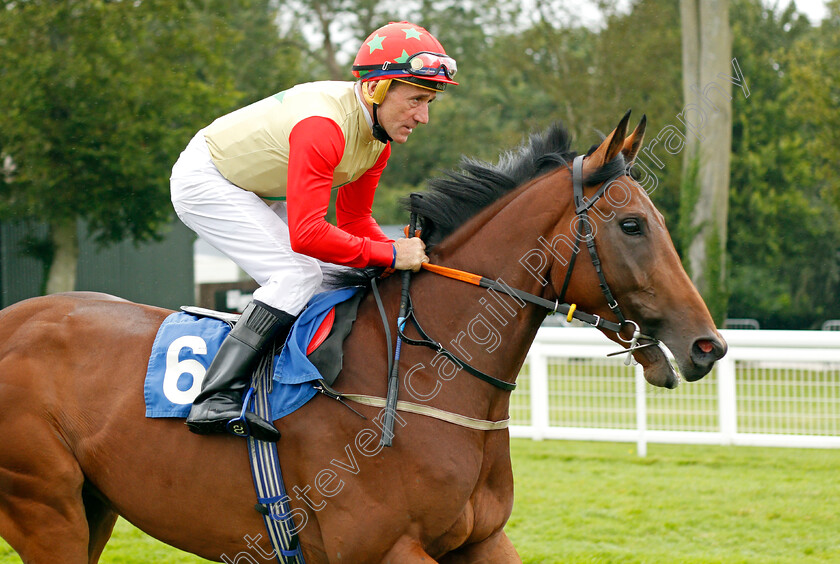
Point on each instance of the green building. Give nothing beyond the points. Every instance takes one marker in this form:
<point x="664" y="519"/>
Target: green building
<point x="157" y="273"/>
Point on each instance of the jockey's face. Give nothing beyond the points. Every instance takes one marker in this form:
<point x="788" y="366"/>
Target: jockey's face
<point x="405" y="107"/>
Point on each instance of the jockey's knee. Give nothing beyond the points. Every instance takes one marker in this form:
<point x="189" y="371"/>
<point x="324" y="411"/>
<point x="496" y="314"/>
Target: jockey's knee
<point x="291" y="293"/>
<point x="311" y="275"/>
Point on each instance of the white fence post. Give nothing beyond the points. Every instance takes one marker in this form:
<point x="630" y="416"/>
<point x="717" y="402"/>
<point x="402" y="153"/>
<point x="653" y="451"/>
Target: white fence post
<point x="727" y="400"/>
<point x="539" y="392"/>
<point x="641" y="411"/>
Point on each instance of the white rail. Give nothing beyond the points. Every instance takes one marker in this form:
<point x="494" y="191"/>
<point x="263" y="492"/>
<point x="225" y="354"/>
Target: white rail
<point x="773" y="388"/>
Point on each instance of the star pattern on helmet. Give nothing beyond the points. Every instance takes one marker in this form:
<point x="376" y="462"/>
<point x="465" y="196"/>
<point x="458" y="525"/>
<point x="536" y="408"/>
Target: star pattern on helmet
<point x="376" y="43"/>
<point x="411" y="33"/>
<point x="402" y="58"/>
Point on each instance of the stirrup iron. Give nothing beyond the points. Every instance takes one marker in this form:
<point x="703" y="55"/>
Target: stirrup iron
<point x="239" y="425"/>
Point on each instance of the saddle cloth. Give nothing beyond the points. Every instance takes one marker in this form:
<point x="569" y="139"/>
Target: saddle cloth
<point x="185" y="345"/>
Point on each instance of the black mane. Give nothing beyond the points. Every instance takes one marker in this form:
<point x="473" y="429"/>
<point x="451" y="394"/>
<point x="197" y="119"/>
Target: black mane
<point x="454" y="198"/>
<point x="459" y="195"/>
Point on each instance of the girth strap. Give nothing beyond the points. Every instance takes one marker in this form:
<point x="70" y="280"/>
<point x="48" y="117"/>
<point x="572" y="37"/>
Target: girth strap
<point x="273" y="501"/>
<point x="429" y="411"/>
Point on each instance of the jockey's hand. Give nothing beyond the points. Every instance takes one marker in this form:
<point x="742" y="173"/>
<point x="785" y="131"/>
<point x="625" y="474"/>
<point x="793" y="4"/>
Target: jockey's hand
<point x="410" y="254"/>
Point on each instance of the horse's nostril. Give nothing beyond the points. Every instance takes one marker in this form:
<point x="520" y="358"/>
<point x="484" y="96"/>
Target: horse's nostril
<point x="707" y="350"/>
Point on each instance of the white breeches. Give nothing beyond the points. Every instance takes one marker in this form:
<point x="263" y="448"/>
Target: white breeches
<point x="250" y="231"/>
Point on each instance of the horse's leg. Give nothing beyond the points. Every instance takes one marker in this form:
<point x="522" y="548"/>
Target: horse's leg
<point x="101" y="520"/>
<point x="42" y="515"/>
<point x="497" y="549"/>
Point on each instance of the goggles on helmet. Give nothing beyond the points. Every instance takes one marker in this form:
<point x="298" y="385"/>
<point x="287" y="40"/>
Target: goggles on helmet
<point x="422" y="64"/>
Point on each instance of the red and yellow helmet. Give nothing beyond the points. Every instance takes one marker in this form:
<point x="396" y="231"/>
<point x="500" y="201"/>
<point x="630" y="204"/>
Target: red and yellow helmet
<point x="405" y="52"/>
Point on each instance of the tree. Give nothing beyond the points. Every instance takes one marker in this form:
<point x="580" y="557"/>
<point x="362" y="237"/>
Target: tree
<point x="784" y="234"/>
<point x="813" y="66"/>
<point x="99" y="99"/>
<point x="518" y="79"/>
<point x="261" y="59"/>
<point x="707" y="54"/>
<point x="328" y="23"/>
<point x="641" y="70"/>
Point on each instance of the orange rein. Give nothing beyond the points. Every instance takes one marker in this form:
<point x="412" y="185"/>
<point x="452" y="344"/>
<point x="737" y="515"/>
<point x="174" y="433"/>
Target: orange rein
<point x="468" y="277"/>
<point x="569" y="310"/>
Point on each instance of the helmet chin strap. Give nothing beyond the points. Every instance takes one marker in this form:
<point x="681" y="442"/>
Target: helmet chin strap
<point x="378" y="131"/>
<point x="374" y="100"/>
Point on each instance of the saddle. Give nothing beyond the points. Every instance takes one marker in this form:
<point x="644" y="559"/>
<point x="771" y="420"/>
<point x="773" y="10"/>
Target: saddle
<point x="302" y="364"/>
<point x="324" y="350"/>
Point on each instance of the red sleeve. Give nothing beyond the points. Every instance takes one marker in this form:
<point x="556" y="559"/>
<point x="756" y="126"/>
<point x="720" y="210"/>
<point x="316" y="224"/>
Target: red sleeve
<point x="316" y="146"/>
<point x="355" y="202"/>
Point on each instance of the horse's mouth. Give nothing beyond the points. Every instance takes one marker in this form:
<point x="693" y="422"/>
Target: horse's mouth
<point x="659" y="371"/>
<point x="657" y="368"/>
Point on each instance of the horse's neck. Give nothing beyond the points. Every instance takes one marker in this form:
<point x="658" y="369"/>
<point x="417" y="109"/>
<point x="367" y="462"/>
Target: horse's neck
<point x="493" y="332"/>
<point x="496" y="243"/>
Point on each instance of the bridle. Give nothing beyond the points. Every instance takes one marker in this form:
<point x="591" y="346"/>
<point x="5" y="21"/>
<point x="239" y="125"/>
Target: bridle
<point x="582" y="206"/>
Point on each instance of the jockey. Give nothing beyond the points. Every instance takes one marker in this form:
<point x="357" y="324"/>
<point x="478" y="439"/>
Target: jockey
<point x="256" y="185"/>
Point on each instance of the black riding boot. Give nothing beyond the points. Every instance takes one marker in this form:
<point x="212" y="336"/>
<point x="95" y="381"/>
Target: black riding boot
<point x="229" y="375"/>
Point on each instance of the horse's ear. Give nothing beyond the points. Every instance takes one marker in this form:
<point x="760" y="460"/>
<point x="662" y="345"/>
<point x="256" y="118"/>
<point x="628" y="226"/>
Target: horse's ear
<point x="634" y="141"/>
<point x="609" y="147"/>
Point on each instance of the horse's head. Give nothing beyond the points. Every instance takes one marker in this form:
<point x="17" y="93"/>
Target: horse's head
<point x="641" y="268"/>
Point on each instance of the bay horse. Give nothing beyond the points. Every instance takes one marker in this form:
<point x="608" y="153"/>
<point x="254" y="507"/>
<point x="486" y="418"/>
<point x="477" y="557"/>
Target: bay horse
<point x="77" y="450"/>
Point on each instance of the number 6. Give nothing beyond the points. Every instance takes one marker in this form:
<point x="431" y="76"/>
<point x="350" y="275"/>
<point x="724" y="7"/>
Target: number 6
<point x="175" y="367"/>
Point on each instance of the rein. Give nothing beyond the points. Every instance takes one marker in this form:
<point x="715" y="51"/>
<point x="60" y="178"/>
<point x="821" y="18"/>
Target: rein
<point x="569" y="310"/>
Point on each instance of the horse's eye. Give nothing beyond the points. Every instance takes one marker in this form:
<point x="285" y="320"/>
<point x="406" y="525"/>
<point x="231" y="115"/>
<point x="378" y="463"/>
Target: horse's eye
<point x="631" y="226"/>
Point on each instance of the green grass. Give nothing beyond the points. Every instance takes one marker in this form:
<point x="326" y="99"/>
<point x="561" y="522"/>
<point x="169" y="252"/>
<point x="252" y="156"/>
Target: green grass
<point x="580" y="502"/>
<point x="587" y="503"/>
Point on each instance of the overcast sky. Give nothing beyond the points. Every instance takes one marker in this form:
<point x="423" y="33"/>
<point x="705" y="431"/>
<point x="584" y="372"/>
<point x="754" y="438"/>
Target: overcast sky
<point x="814" y="9"/>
